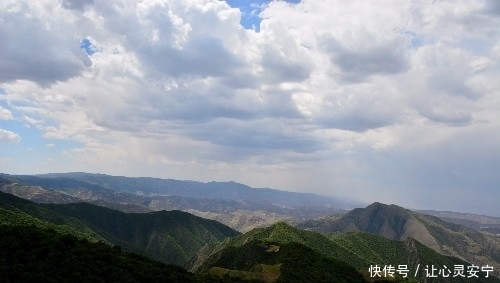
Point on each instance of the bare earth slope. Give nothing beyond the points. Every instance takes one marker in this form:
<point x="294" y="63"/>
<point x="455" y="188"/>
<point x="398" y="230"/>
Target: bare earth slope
<point x="397" y="223"/>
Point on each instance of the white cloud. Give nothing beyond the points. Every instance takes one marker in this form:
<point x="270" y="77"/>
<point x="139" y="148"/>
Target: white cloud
<point x="348" y="86"/>
<point x="5" y="114"/>
<point x="47" y="50"/>
<point x="8" y="136"/>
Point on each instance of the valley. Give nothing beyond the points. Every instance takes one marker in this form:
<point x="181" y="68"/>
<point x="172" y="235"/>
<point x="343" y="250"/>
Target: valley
<point x="215" y="235"/>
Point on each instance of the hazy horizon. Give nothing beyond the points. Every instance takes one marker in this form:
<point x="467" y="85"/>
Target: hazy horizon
<point x="351" y="203"/>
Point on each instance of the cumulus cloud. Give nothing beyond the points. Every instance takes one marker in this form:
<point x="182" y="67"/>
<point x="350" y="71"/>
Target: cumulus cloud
<point x="349" y="86"/>
<point x="8" y="136"/>
<point x="76" y="4"/>
<point x="5" y="114"/>
<point x="38" y="45"/>
<point x="357" y="65"/>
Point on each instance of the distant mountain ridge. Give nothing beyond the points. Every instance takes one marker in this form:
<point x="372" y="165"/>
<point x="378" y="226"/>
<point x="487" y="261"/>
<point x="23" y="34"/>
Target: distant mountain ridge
<point x="177" y="236"/>
<point x="396" y="223"/>
<point x="216" y="190"/>
<point x="237" y="205"/>
<point x="484" y="223"/>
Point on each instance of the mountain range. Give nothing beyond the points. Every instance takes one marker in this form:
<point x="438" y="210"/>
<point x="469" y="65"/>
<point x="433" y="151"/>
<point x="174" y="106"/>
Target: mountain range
<point x="262" y="246"/>
<point x="236" y="205"/>
<point x="484" y="223"/>
<point x="170" y="236"/>
<point x="337" y="246"/>
<point x="397" y="223"/>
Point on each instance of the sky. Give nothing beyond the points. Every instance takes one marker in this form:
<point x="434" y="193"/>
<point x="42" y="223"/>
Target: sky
<point x="390" y="101"/>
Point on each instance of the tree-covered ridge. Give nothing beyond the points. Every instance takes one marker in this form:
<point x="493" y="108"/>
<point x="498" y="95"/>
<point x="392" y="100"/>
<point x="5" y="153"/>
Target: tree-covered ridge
<point x="282" y="233"/>
<point x="360" y="250"/>
<point x="397" y="223"/>
<point x="31" y="254"/>
<point x="373" y="249"/>
<point x="172" y="236"/>
<point x="176" y="236"/>
<point x="19" y="212"/>
<point x="287" y="263"/>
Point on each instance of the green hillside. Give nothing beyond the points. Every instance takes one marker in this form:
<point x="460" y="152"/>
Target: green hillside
<point x="360" y="250"/>
<point x="31" y="254"/>
<point x="373" y="249"/>
<point x="288" y="263"/>
<point x="279" y="233"/>
<point x="172" y="236"/>
<point x="392" y="236"/>
<point x="397" y="223"/>
<point x="19" y="212"/>
<point x="457" y="240"/>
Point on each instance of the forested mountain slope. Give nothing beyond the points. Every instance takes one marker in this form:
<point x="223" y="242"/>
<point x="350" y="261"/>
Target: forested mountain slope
<point x="170" y="236"/>
<point x="359" y="250"/>
<point x="397" y="223"/>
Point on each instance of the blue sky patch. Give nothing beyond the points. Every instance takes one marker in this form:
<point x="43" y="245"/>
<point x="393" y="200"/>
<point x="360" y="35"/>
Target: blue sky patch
<point x="86" y="45"/>
<point x="250" y="11"/>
